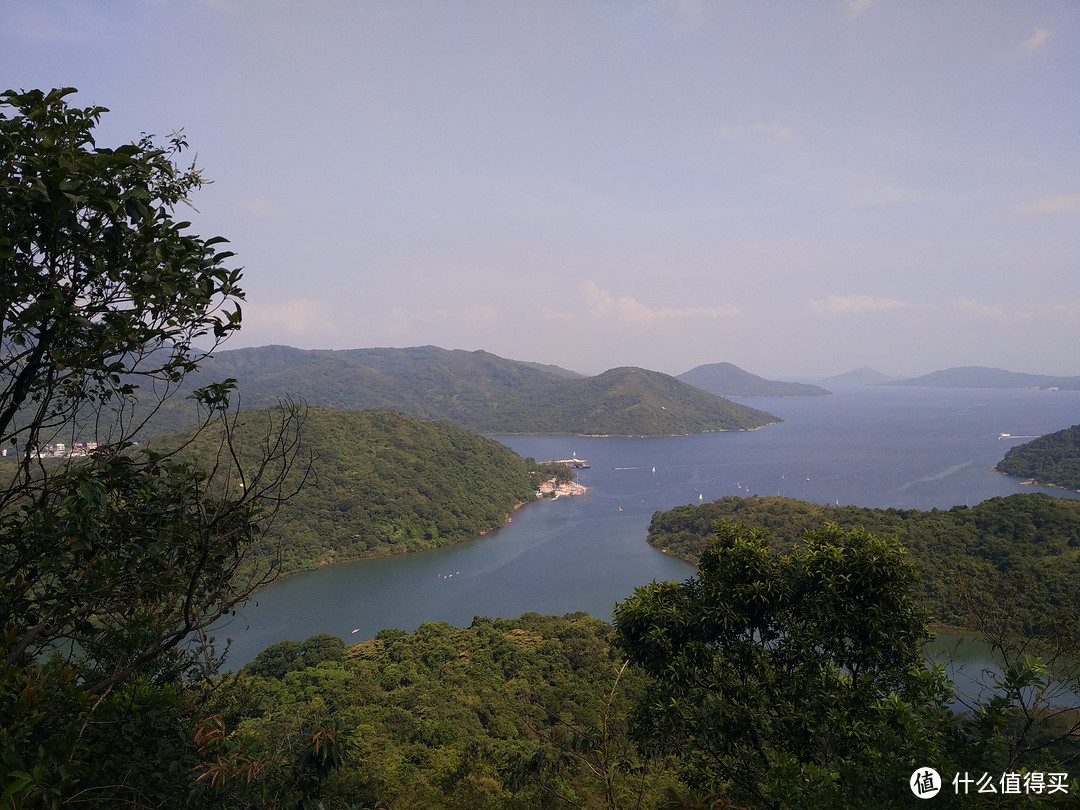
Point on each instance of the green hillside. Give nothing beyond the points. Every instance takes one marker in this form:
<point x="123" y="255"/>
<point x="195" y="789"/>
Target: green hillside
<point x="1052" y="460"/>
<point x="385" y="483"/>
<point x="1026" y="541"/>
<point x="448" y="718"/>
<point x="728" y="380"/>
<point x="484" y="392"/>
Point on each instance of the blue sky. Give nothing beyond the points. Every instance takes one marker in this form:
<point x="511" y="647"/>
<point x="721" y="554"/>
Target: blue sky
<point x="796" y="188"/>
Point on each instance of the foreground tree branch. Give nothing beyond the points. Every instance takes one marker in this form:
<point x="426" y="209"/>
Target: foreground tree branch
<point x="116" y="560"/>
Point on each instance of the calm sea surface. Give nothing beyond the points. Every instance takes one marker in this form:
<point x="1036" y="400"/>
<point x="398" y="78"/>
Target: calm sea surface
<point x="882" y="447"/>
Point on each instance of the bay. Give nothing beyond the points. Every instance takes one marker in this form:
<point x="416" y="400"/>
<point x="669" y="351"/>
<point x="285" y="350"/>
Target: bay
<point x="882" y="447"/>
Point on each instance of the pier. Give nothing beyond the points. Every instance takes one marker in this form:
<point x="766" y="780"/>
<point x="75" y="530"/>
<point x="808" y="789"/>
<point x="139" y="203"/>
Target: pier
<point x="575" y="463"/>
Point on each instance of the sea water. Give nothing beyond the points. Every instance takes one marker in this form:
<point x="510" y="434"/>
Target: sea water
<point x="870" y="446"/>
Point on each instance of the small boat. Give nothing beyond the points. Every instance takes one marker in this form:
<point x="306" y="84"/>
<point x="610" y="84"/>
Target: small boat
<point x="357" y="630"/>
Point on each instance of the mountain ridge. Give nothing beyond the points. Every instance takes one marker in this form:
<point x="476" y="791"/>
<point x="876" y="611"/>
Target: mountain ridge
<point x="479" y="390"/>
<point x="728" y="380"/>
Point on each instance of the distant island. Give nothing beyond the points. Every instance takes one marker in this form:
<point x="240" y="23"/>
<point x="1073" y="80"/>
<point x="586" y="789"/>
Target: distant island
<point x="859" y="376"/>
<point x="1052" y="460"/>
<point x="479" y="390"/>
<point x="983" y="377"/>
<point x="728" y="380"/>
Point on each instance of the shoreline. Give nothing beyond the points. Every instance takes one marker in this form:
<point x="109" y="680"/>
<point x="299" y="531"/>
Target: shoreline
<point x="564" y="490"/>
<point x="1034" y="482"/>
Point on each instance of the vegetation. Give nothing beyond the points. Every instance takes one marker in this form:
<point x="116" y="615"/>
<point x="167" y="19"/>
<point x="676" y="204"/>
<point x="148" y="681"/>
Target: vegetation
<point x="529" y="713"/>
<point x="728" y="380"/>
<point x="1005" y="570"/>
<point x="481" y="391"/>
<point x="786" y="674"/>
<point x="1052" y="460"/>
<point x="1027" y="542"/>
<point x="790" y="680"/>
<point x="114" y="563"/>
<point x="383" y="483"/>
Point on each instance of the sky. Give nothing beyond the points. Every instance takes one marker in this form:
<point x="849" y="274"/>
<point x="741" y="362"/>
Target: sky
<point x="798" y="188"/>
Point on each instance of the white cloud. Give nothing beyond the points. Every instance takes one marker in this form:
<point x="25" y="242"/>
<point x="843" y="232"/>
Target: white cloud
<point x="1051" y="204"/>
<point x="398" y="322"/>
<point x="1037" y="40"/>
<point x="853" y="304"/>
<point x="545" y="313"/>
<point x="981" y="310"/>
<point x="298" y="317"/>
<point x="600" y="303"/>
<point x="856" y="8"/>
<point x="688" y="15"/>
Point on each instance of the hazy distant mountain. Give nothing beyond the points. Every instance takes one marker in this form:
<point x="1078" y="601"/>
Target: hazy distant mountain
<point x="859" y="376"/>
<point x="728" y="380"/>
<point x="982" y="377"/>
<point x="479" y="390"/>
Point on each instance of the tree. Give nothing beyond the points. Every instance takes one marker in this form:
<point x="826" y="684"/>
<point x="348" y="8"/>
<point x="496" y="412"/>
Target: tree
<point x="115" y="561"/>
<point x="793" y="679"/>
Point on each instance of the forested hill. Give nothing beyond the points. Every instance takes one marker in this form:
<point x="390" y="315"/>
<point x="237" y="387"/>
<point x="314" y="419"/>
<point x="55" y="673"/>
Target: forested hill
<point x="982" y="377"/>
<point x="484" y="392"/>
<point x="1052" y="460"/>
<point x="386" y="483"/>
<point x="728" y="380"/>
<point x="962" y="552"/>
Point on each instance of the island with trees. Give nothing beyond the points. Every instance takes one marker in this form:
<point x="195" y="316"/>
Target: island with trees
<point x="1052" y="460"/>
<point x="983" y="377"/>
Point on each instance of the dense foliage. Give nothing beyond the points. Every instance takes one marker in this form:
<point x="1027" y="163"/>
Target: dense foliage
<point x="528" y="713"/>
<point x="384" y="483"/>
<point x="790" y="680"/>
<point x="1027" y="543"/>
<point x="1005" y="570"/>
<point x="1052" y="460"/>
<point x="481" y="391"/>
<point x="113" y="562"/>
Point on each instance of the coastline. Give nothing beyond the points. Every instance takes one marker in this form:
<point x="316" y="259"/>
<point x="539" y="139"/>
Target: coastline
<point x="565" y="490"/>
<point x="1035" y="482"/>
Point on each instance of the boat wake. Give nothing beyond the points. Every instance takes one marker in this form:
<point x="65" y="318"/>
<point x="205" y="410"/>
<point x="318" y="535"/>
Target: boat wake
<point x="937" y="476"/>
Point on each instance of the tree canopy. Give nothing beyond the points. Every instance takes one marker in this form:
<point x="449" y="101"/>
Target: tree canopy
<point x="114" y="560"/>
<point x="789" y="679"/>
<point x="1052" y="460"/>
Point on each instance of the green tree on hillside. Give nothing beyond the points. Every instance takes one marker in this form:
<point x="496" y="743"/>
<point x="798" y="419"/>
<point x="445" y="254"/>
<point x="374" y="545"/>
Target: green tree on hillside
<point x="793" y="679"/>
<point x="114" y="562"/>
